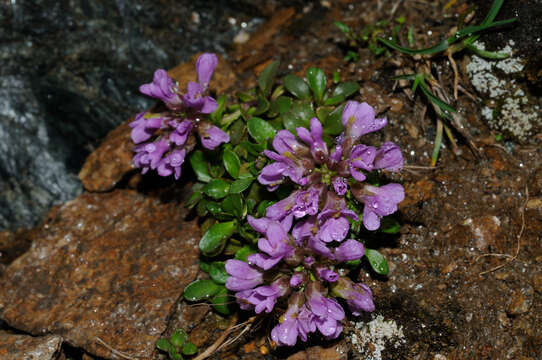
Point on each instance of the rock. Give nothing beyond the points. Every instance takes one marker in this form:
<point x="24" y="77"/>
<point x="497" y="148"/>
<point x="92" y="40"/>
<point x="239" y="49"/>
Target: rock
<point x="520" y="301"/>
<point x="103" y="266"/>
<point x="106" y="166"/>
<point x="112" y="160"/>
<point x="485" y="230"/>
<point x="60" y="94"/>
<point x="24" y="347"/>
<point x="337" y="351"/>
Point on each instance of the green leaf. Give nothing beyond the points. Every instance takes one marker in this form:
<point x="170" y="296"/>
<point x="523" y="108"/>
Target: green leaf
<point x="231" y="163"/>
<point x="334" y="100"/>
<point x="237" y="131"/>
<point x="201" y="208"/>
<point x="218" y="272"/>
<point x="243" y="253"/>
<point x="199" y="164"/>
<point x="260" y="129"/>
<point x="220" y="301"/>
<point x="342" y="26"/>
<point x="163" y="344"/>
<point x="333" y="124"/>
<point x="345" y="89"/>
<point x="377" y="261"/>
<point x="240" y="185"/>
<point x="389" y="225"/>
<point x="178" y="338"/>
<point x="174" y="355"/>
<point x="263" y="206"/>
<point x="267" y="77"/>
<point x="200" y="289"/>
<point x="299" y="116"/>
<point x="230" y="118"/>
<point x="216" y="188"/>
<point x="263" y="105"/>
<point x="297" y="86"/>
<point x="352" y="264"/>
<point x="233" y="204"/>
<point x="215" y="238"/>
<point x="216" y="116"/>
<point x="205" y="266"/>
<point x="317" y="83"/>
<point x="194" y="199"/>
<point x="189" y="348"/>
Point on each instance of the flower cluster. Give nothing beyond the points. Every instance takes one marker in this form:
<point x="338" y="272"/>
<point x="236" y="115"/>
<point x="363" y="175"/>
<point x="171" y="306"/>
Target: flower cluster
<point x="309" y="161"/>
<point x="305" y="242"/>
<point x="163" y="139"/>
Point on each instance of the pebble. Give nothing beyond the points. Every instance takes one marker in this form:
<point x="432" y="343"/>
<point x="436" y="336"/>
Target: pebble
<point x="520" y="302"/>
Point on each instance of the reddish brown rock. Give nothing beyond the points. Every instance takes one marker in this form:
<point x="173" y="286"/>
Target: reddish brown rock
<point x="112" y="160"/>
<point x="337" y="351"/>
<point x="106" y="166"/>
<point x="24" y="347"/>
<point x="108" y="266"/>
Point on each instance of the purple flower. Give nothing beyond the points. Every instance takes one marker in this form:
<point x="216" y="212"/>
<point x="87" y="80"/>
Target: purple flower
<point x="262" y="298"/>
<point x="379" y="202"/>
<point x="314" y="140"/>
<point x="171" y="164"/>
<point x="290" y="161"/>
<point x="358" y="296"/>
<point x="339" y="185"/>
<point x="333" y="219"/>
<point x="205" y="66"/>
<point x="181" y="132"/>
<point x="326" y="274"/>
<point x="242" y="275"/>
<point x="359" y="119"/>
<point x="144" y="126"/>
<point x="349" y="250"/>
<point x="194" y="99"/>
<point x="361" y="157"/>
<point x="274" y="245"/>
<point x="306" y="202"/>
<point x="328" y="313"/>
<point x="148" y="155"/>
<point x="211" y="136"/>
<point x="297" y="279"/>
<point x="296" y="321"/>
<point x="164" y="88"/>
<point x="389" y="157"/>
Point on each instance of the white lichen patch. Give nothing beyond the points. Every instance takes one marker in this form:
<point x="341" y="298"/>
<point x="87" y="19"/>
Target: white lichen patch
<point x="370" y="339"/>
<point x="510" y="110"/>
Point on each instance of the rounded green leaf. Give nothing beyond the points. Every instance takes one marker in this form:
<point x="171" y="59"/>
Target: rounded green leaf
<point x="260" y="129"/>
<point x="297" y="86"/>
<point x="389" y="225"/>
<point x="243" y="253"/>
<point x="345" y="89"/>
<point x="231" y="163"/>
<point x="201" y="289"/>
<point x="317" y="82"/>
<point x="215" y="238"/>
<point x="233" y="204"/>
<point x="218" y="272"/>
<point x="267" y="77"/>
<point x="189" y="348"/>
<point x="178" y="338"/>
<point x="377" y="261"/>
<point x="333" y="124"/>
<point x="220" y="301"/>
<point x="163" y="344"/>
<point x="240" y="185"/>
<point x="199" y="164"/>
<point x="216" y="188"/>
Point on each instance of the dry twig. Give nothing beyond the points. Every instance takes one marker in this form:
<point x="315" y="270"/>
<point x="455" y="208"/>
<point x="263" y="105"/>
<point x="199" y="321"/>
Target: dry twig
<point x="115" y="351"/>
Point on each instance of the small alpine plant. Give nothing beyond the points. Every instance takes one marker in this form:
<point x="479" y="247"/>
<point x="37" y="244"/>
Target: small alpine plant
<point x="165" y="138"/>
<point x="286" y="190"/>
